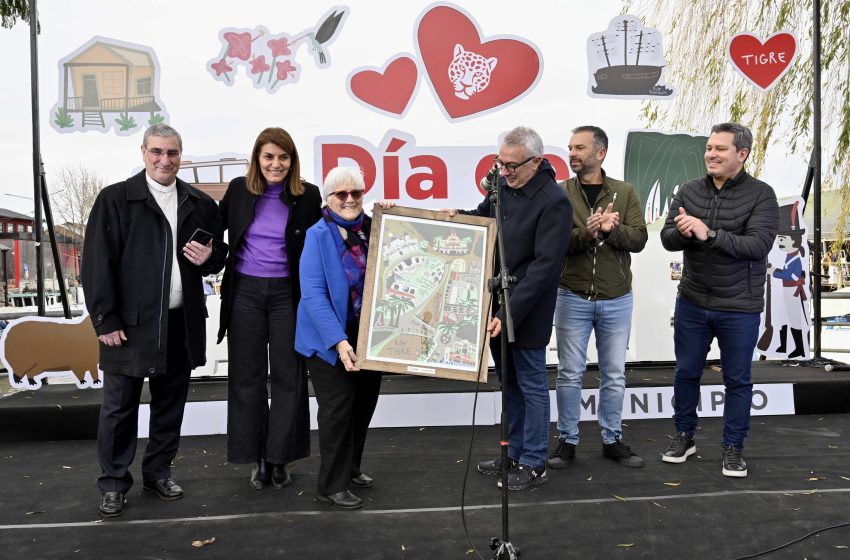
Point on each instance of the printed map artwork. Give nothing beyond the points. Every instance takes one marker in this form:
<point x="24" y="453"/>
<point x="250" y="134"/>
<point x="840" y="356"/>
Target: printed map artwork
<point x="429" y="297"/>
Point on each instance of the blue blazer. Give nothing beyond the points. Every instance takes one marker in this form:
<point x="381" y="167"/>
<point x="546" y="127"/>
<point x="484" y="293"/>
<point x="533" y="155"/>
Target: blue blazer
<point x="323" y="309"/>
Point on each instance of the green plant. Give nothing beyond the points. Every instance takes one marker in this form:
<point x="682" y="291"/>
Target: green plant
<point x="63" y="119"/>
<point x="125" y="121"/>
<point x="156" y="118"/>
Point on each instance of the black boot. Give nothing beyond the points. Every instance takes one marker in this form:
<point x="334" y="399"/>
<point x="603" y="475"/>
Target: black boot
<point x="783" y="337"/>
<point x="799" y="349"/>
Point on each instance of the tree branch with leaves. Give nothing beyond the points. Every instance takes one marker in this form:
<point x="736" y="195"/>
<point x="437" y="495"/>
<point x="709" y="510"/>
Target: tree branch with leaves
<point x="697" y="35"/>
<point x="11" y="10"/>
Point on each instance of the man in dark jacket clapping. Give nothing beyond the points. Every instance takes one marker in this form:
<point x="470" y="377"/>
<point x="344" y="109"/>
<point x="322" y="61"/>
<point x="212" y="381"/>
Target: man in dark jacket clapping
<point x="595" y="294"/>
<point x="725" y="223"/>
<point x="142" y="278"/>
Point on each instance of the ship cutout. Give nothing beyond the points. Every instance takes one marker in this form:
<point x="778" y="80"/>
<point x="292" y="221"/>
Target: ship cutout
<point x="639" y="49"/>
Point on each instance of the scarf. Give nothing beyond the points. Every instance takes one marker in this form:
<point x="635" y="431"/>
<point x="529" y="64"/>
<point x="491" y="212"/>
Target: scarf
<point x="352" y="238"/>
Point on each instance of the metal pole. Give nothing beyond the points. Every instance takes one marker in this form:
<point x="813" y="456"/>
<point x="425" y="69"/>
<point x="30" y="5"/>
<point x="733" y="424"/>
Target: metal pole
<point x="5" y="280"/>
<point x="36" y="159"/>
<point x="54" y="246"/>
<point x="816" y="161"/>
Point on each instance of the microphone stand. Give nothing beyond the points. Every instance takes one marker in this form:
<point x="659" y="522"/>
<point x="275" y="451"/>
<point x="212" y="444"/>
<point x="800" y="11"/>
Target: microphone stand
<point x="504" y="549"/>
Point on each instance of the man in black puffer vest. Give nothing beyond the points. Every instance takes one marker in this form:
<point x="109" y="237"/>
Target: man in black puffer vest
<point x="725" y="224"/>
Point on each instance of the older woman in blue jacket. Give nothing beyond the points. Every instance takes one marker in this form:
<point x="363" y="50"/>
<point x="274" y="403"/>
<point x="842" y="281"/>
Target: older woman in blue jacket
<point x="333" y="269"/>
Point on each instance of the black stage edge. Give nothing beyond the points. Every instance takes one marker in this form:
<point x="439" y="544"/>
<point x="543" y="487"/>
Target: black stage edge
<point x="799" y="481"/>
<point x="61" y="411"/>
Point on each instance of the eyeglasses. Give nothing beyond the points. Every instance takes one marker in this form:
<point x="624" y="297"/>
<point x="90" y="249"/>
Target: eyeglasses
<point x="342" y="196"/>
<point x="510" y="166"/>
<point x="158" y="153"/>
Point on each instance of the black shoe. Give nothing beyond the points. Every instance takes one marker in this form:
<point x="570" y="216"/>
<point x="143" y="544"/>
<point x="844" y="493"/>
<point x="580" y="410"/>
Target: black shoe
<point x="280" y="476"/>
<point x="621" y="452"/>
<point x="524" y="477"/>
<point x="563" y="455"/>
<point x="362" y="481"/>
<point x="494" y="467"/>
<point x="733" y="462"/>
<point x="680" y="449"/>
<point x="343" y="500"/>
<point x="165" y="488"/>
<point x="112" y="504"/>
<point x="259" y="475"/>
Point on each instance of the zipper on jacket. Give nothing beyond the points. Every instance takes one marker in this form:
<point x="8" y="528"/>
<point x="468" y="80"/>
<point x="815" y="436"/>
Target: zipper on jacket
<point x="162" y="288"/>
<point x="712" y="208"/>
<point x="593" y="241"/>
<point x="165" y="226"/>
<point x="750" y="278"/>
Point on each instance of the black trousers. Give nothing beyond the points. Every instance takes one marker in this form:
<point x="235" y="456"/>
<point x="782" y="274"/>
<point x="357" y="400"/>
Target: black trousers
<point x="118" y="425"/>
<point x="346" y="403"/>
<point x="261" y="345"/>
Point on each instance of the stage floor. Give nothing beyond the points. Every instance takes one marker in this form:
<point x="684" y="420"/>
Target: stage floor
<point x="799" y="482"/>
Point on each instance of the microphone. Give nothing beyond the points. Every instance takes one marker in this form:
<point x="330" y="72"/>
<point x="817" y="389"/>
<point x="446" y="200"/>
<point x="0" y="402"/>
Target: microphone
<point x="489" y="182"/>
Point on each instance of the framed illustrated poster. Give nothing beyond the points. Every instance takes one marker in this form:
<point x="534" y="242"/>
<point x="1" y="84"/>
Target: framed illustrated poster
<point x="425" y="300"/>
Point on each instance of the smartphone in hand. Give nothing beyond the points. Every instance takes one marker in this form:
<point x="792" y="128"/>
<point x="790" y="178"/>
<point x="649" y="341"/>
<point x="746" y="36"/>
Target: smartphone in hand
<point x="202" y="236"/>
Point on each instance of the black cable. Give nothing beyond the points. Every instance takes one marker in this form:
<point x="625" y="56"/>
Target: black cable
<point x="795" y="541"/>
<point x="484" y="356"/>
<point x="466" y="472"/>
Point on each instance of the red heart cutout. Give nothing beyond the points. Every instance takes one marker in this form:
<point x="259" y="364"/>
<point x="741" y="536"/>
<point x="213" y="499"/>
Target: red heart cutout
<point x="389" y="90"/>
<point x="763" y="63"/>
<point x="515" y="70"/>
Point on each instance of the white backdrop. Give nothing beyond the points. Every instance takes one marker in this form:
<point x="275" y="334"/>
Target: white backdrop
<point x="216" y="119"/>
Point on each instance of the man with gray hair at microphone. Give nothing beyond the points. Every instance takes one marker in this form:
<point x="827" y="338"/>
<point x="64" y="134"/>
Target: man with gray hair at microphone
<point x="536" y="224"/>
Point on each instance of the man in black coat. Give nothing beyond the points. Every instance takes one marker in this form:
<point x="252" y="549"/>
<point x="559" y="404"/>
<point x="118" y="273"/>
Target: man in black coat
<point x="725" y="223"/>
<point x="142" y="278"/>
<point x="536" y="225"/>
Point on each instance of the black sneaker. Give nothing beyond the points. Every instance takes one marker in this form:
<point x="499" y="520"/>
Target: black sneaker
<point x="680" y="449"/>
<point x="622" y="453"/>
<point x="733" y="462"/>
<point x="494" y="467"/>
<point x="524" y="477"/>
<point x="563" y="455"/>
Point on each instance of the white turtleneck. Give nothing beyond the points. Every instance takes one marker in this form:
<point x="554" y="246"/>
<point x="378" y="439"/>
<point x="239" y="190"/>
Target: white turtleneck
<point x="166" y="197"/>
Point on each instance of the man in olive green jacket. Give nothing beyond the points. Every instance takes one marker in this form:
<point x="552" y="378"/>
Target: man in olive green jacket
<point x="595" y="293"/>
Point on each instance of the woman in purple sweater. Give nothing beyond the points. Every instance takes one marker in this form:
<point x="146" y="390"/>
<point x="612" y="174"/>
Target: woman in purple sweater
<point x="267" y="215"/>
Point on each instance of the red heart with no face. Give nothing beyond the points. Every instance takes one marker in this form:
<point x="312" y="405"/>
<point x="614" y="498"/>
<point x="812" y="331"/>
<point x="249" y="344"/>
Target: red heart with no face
<point x="506" y="69"/>
<point x="763" y="63"/>
<point x="389" y="90"/>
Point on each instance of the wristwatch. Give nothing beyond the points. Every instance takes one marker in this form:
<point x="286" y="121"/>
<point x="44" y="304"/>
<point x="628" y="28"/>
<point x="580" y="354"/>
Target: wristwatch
<point x="711" y="235"/>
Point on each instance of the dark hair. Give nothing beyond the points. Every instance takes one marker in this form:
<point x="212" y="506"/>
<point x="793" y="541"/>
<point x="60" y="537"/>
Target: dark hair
<point x="743" y="137"/>
<point x="600" y="139"/>
<point x="797" y="242"/>
<point x="281" y="139"/>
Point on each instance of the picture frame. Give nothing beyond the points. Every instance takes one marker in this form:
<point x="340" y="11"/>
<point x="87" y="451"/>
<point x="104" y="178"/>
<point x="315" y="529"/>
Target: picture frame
<point x="426" y="301"/>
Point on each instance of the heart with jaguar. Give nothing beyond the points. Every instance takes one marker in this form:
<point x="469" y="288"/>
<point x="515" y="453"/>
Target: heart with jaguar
<point x="469" y="74"/>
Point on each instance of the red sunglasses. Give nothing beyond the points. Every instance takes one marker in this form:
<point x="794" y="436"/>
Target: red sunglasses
<point x="342" y="196"/>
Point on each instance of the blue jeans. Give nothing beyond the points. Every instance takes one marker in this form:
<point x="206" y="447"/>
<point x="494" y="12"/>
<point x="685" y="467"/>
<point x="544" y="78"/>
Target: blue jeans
<point x="575" y="317"/>
<point x="693" y="330"/>
<point x="527" y="391"/>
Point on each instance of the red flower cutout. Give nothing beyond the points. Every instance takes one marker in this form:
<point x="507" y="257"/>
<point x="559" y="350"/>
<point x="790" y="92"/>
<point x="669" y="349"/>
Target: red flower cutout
<point x="279" y="46"/>
<point x="221" y="67"/>
<point x="258" y="65"/>
<point x="284" y="68"/>
<point x="240" y="45"/>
